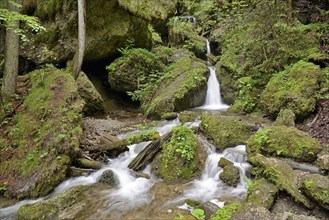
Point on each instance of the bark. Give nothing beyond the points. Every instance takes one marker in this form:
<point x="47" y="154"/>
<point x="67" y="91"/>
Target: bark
<point x="147" y="154"/>
<point x="11" y="57"/>
<point x="81" y="37"/>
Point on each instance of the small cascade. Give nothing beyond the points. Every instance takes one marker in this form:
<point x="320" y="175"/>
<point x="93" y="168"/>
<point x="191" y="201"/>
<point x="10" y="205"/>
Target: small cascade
<point x="209" y="187"/>
<point x="213" y="98"/>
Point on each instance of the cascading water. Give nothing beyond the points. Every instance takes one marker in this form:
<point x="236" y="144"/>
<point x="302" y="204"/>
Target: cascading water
<point x="213" y="98"/>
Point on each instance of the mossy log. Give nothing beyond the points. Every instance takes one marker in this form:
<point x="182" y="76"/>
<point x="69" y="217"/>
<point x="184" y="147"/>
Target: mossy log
<point x="148" y="153"/>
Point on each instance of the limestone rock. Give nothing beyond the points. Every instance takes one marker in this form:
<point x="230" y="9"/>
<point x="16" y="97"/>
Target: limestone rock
<point x="230" y="175"/>
<point x="285" y="142"/>
<point x="93" y="100"/>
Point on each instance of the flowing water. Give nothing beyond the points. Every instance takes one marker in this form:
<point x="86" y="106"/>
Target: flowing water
<point x="213" y="98"/>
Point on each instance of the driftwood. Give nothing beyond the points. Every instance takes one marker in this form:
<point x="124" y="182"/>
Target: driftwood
<point x="148" y="153"/>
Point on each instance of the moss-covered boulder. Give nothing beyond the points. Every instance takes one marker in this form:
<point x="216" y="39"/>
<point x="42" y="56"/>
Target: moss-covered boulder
<point x="225" y="131"/>
<point x="52" y="208"/>
<point x="262" y="193"/>
<point x="230" y="175"/>
<point x="109" y="177"/>
<point x="91" y="164"/>
<point x="294" y="88"/>
<point x="323" y="161"/>
<point x="227" y="211"/>
<point x="286" y="117"/>
<point x="188" y="116"/>
<point x="109" y="26"/>
<point x="182" y="86"/>
<point x="43" y="137"/>
<point x="133" y="69"/>
<point x="282" y="175"/>
<point x="284" y="142"/>
<point x="93" y="100"/>
<point x="316" y="187"/>
<point x="169" y="116"/>
<point x="223" y="162"/>
<point x="182" y="157"/>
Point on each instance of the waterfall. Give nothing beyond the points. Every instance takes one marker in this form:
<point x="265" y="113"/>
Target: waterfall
<point x="213" y="98"/>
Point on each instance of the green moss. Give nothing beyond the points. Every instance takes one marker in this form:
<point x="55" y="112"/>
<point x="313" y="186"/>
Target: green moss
<point x="285" y="142"/>
<point x="225" y="131"/>
<point x="89" y="164"/>
<point x="286" y="117"/>
<point x="187" y="116"/>
<point x="47" y="127"/>
<point x="316" y="187"/>
<point x="295" y="89"/>
<point x="262" y="193"/>
<point x="143" y="136"/>
<point x="226" y="212"/>
<point x="181" y="155"/>
<point x="223" y="162"/>
<point x="230" y="175"/>
<point x="49" y="209"/>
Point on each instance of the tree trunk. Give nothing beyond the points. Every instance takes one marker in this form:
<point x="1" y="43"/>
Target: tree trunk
<point x="81" y="37"/>
<point x="11" y="57"/>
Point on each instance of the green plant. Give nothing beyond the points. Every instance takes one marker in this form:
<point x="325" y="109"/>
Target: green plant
<point x="198" y="213"/>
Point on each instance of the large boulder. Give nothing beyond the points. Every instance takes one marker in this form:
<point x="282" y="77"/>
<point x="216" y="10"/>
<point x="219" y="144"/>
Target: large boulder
<point x="225" y="131"/>
<point x="183" y="157"/>
<point x="45" y="136"/>
<point x="316" y="187"/>
<point x="183" y="86"/>
<point x="55" y="207"/>
<point x="282" y="175"/>
<point x="87" y="91"/>
<point x="294" y="88"/>
<point x="284" y="142"/>
<point x="109" y="26"/>
<point x="230" y="175"/>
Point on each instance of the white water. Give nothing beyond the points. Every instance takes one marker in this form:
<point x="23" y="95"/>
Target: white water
<point x="213" y="98"/>
<point x="209" y="187"/>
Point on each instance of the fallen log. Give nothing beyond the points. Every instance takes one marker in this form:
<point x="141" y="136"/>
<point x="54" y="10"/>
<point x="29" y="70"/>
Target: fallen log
<point x="148" y="153"/>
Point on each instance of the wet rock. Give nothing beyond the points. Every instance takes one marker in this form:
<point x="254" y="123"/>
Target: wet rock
<point x="84" y="163"/>
<point x="225" y="131"/>
<point x="187" y="116"/>
<point x="209" y="208"/>
<point x="192" y="203"/>
<point x="169" y="116"/>
<point x="286" y="117"/>
<point x="282" y="175"/>
<point x="230" y="175"/>
<point x="285" y="142"/>
<point x="76" y="172"/>
<point x="295" y="88"/>
<point x="323" y="161"/>
<point x="316" y="187"/>
<point x="262" y="193"/>
<point x="93" y="100"/>
<point x="108" y="177"/>
<point x="142" y="175"/>
<point x="52" y="208"/>
<point x="223" y="162"/>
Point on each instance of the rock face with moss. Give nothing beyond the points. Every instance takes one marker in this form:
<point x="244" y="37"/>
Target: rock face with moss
<point x="295" y="88"/>
<point x="316" y="187"/>
<point x="262" y="193"/>
<point x="55" y="207"/>
<point x="225" y="131"/>
<point x="286" y="117"/>
<point x="182" y="156"/>
<point x="183" y="86"/>
<point x="230" y="175"/>
<point x="45" y="135"/>
<point x="87" y="91"/>
<point x="109" y="26"/>
<point x="285" y="142"/>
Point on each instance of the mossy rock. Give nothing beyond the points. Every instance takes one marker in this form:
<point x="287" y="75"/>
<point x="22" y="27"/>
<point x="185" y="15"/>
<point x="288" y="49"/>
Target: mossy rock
<point x="286" y="117"/>
<point x="228" y="87"/>
<point x="223" y="162"/>
<point x="183" y="157"/>
<point x="282" y="175"/>
<point x="93" y="100"/>
<point x="227" y="211"/>
<point x="316" y="187"/>
<point x="225" y="131"/>
<point x="51" y="208"/>
<point x="188" y="116"/>
<point x="109" y="177"/>
<point x="182" y="86"/>
<point x="109" y="28"/>
<point x="131" y="70"/>
<point x="230" y="175"/>
<point x="323" y="160"/>
<point x="45" y="135"/>
<point x="169" y="116"/>
<point x="294" y="88"/>
<point x="284" y="142"/>
<point x="262" y="193"/>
